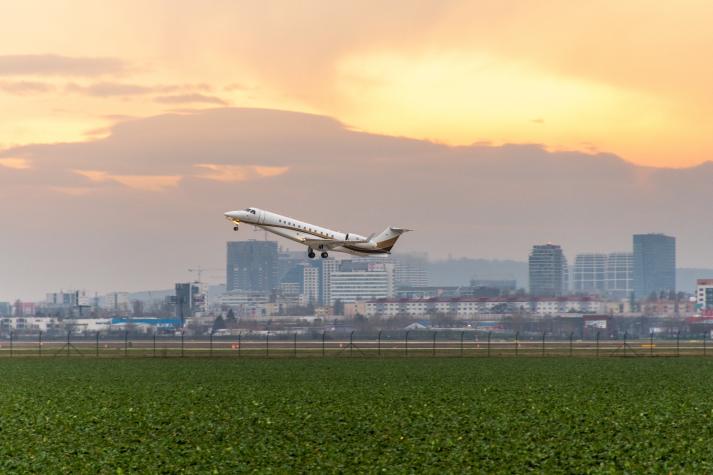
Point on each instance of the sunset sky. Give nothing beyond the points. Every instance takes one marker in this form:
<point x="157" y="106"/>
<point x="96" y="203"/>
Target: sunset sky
<point x="118" y="118"/>
<point x="628" y="77"/>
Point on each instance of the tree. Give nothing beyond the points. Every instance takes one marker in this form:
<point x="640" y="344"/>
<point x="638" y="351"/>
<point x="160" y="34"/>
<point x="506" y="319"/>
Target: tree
<point x="219" y="323"/>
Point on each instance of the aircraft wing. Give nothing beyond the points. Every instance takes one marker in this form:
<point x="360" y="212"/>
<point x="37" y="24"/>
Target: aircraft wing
<point x="329" y="243"/>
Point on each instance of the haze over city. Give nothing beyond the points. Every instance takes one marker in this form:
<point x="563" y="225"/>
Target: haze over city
<point x="127" y="129"/>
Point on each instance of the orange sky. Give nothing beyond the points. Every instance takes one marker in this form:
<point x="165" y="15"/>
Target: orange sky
<point x="621" y="77"/>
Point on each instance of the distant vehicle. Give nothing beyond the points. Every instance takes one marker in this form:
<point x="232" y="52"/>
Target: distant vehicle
<point x="317" y="238"/>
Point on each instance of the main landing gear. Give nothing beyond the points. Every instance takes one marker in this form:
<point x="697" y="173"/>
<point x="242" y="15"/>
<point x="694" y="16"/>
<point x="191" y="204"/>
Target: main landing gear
<point x="311" y="254"/>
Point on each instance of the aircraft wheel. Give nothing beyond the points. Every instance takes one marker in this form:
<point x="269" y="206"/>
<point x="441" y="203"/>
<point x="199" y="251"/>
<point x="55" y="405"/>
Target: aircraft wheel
<point x="324" y="255"/>
<point x="310" y="254"/>
<point x="235" y="228"/>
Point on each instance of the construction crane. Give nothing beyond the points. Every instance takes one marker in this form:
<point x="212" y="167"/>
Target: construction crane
<point x="199" y="271"/>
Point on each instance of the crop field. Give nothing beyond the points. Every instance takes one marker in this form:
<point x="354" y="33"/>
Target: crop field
<point x="568" y="415"/>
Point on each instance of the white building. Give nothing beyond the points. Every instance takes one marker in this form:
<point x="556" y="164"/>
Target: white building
<point x="704" y="294"/>
<point x="589" y="274"/>
<point x="33" y="324"/>
<point x="470" y="307"/>
<point x="374" y="282"/>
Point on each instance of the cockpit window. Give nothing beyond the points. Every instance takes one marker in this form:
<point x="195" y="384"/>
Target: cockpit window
<point x="252" y="211"/>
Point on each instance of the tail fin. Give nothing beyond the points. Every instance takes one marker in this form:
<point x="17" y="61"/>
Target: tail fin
<point x="387" y="238"/>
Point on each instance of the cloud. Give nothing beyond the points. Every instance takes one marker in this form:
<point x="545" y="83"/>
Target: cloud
<point x="15" y="163"/>
<point x="237" y="173"/>
<point x="57" y="65"/>
<point x="26" y="88"/>
<point x="190" y="99"/>
<point x="137" y="182"/>
<point x="73" y="190"/>
<point x="110" y="89"/>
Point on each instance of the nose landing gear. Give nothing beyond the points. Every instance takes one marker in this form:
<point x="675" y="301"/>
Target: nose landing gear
<point x="235" y="228"/>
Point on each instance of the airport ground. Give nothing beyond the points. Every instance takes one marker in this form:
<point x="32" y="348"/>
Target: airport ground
<point x="422" y="414"/>
<point x="392" y="345"/>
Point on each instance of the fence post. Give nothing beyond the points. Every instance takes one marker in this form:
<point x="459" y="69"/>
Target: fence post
<point x="462" y="334"/>
<point x="126" y="343"/>
<point x="517" y="343"/>
<point x="240" y="342"/>
<point x="406" y="342"/>
<point x="651" y="342"/>
<point x="543" y="343"/>
<point x="295" y="345"/>
<point x="351" y="343"/>
<point x="597" y="343"/>
<point x="678" y="343"/>
<point x="704" y="343"/>
<point x="154" y="343"/>
<point x="68" y="333"/>
<point x="324" y="349"/>
<point x="434" y="344"/>
<point x="571" y="338"/>
<point x="97" y="345"/>
<point x="11" y="338"/>
<point x="378" y="343"/>
<point x="211" y="343"/>
<point x="267" y="344"/>
<point x="182" y="333"/>
<point x="489" y="334"/>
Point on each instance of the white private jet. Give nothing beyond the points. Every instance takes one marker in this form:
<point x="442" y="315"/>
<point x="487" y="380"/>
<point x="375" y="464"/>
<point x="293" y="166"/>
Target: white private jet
<point x="316" y="237"/>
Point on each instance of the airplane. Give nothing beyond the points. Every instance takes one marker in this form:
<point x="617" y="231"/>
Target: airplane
<point x="317" y="238"/>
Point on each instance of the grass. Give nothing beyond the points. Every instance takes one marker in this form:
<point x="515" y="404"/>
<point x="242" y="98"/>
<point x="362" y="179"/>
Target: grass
<point x="367" y="415"/>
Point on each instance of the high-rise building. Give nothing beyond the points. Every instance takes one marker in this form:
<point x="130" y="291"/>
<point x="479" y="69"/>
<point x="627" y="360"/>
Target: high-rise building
<point x="326" y="268"/>
<point x="654" y="264"/>
<point x="604" y="274"/>
<point x="310" y="284"/>
<point x="252" y="265"/>
<point x="548" y="271"/>
<point x="620" y="275"/>
<point x="589" y="273"/>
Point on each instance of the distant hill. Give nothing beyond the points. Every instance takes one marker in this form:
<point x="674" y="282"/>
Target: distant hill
<point x="461" y="271"/>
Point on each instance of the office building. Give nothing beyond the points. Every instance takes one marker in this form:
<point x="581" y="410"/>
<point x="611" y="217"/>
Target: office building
<point x="654" y="264"/>
<point x="548" y="271"/>
<point x="589" y="273"/>
<point x="620" y="275"/>
<point x="604" y="274"/>
<point x="252" y="266"/>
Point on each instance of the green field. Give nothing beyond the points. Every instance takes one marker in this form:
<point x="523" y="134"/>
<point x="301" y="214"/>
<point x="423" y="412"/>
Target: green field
<point x="334" y="415"/>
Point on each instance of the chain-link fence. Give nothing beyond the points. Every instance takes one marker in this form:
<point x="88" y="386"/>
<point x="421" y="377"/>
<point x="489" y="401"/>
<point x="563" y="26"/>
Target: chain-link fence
<point x="382" y="344"/>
